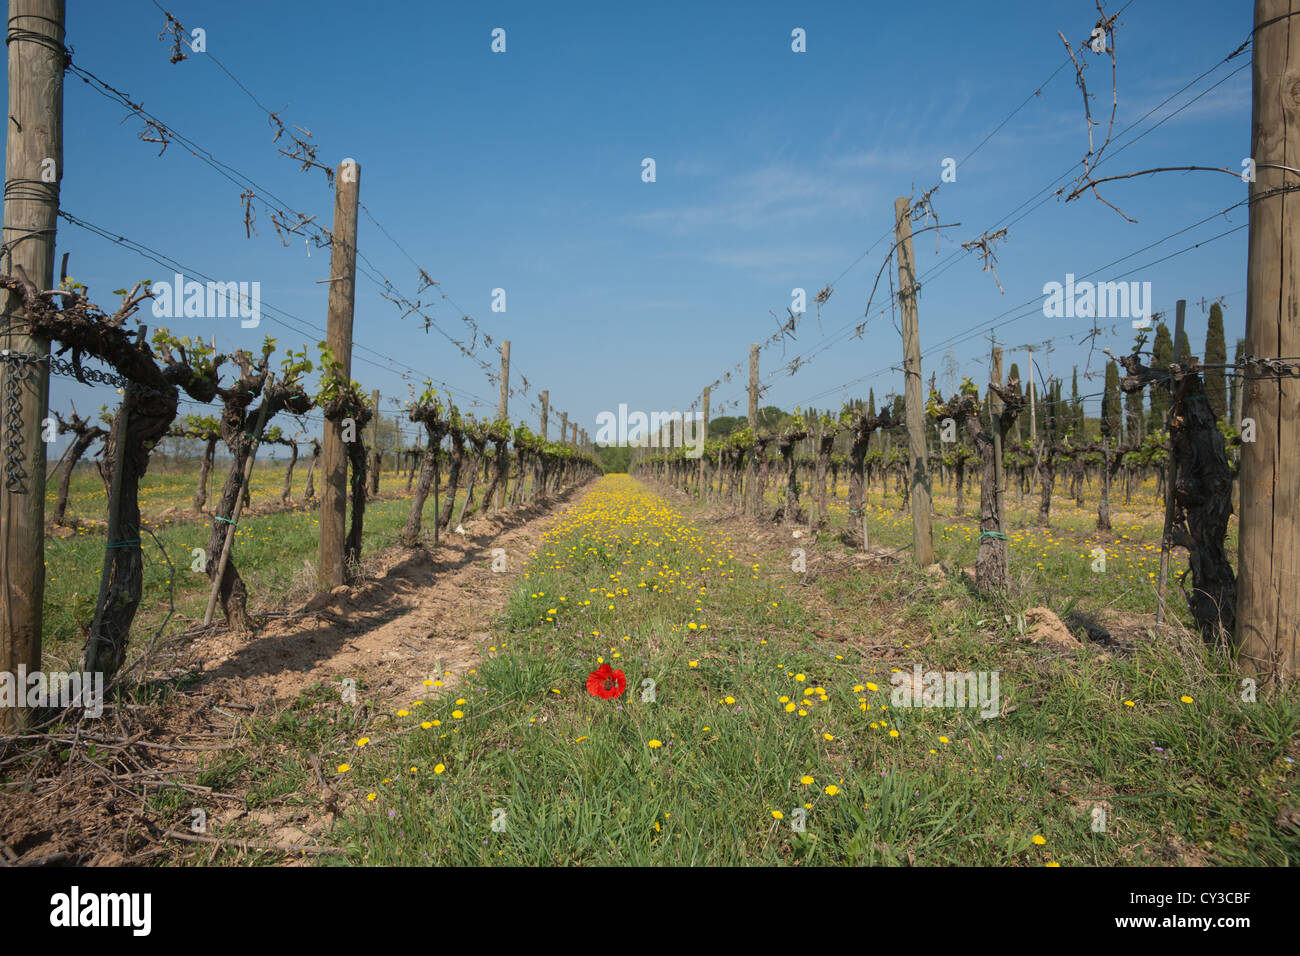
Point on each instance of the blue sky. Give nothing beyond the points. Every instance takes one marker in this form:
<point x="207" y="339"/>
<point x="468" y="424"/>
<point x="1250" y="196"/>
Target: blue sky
<point x="774" y="170"/>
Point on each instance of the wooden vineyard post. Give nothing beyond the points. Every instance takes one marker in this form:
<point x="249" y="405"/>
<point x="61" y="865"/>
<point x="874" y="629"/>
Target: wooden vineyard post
<point x="376" y="457"/>
<point x="1033" y="400"/>
<point x="1171" y="476"/>
<point x="995" y="412"/>
<point x="334" y="457"/>
<point x="753" y="494"/>
<point x="922" y="546"/>
<point x="564" y="428"/>
<point x="503" y="408"/>
<point x="706" y="480"/>
<point x="668" y="460"/>
<point x="33" y="172"/>
<point x="1268" y="583"/>
<point x="546" y="400"/>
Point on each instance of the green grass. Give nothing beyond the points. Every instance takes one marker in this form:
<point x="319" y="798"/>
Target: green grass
<point x="571" y="779"/>
<point x="578" y="782"/>
<point x="1059" y="559"/>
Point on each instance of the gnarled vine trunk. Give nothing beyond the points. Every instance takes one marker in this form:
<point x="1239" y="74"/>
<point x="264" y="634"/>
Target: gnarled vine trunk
<point x="205" y="467"/>
<point x="453" y="477"/>
<point x="288" y="473"/>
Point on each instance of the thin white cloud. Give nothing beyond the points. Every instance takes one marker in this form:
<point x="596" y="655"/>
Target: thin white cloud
<point x="769" y="196"/>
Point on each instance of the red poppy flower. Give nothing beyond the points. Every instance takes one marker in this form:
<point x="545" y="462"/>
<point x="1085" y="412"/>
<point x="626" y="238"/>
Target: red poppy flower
<point x="605" y="682"/>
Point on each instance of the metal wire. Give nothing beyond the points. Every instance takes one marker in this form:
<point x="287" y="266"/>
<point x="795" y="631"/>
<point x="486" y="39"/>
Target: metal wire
<point x="19" y="372"/>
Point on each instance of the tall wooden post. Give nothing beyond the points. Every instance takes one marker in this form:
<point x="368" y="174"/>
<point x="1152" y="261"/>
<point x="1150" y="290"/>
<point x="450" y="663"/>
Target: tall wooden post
<point x="672" y="446"/>
<point x="1268" y="583"/>
<point x="706" y="480"/>
<point x="33" y="172"/>
<point x="1171" y="475"/>
<point x="546" y="403"/>
<point x="376" y="456"/>
<point x="334" y="457"/>
<point x="922" y="545"/>
<point x="503" y="408"/>
<point x="564" y="428"/>
<point x="574" y="426"/>
<point x="753" y="497"/>
<point x="995" y="412"/>
<point x="1033" y="399"/>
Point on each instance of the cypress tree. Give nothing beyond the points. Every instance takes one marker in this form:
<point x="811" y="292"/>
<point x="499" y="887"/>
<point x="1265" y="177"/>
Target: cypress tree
<point x="1110" y="404"/>
<point x="1216" y="353"/>
<point x="1133" y="418"/>
<point x="1163" y="355"/>
<point x="1050" y="417"/>
<point x="1076" y="422"/>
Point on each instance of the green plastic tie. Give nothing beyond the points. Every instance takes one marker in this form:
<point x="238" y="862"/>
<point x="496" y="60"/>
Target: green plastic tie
<point x="998" y="535"/>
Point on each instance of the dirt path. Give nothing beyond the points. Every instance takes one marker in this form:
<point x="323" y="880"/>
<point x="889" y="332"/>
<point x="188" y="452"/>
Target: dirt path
<point x="420" y="615"/>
